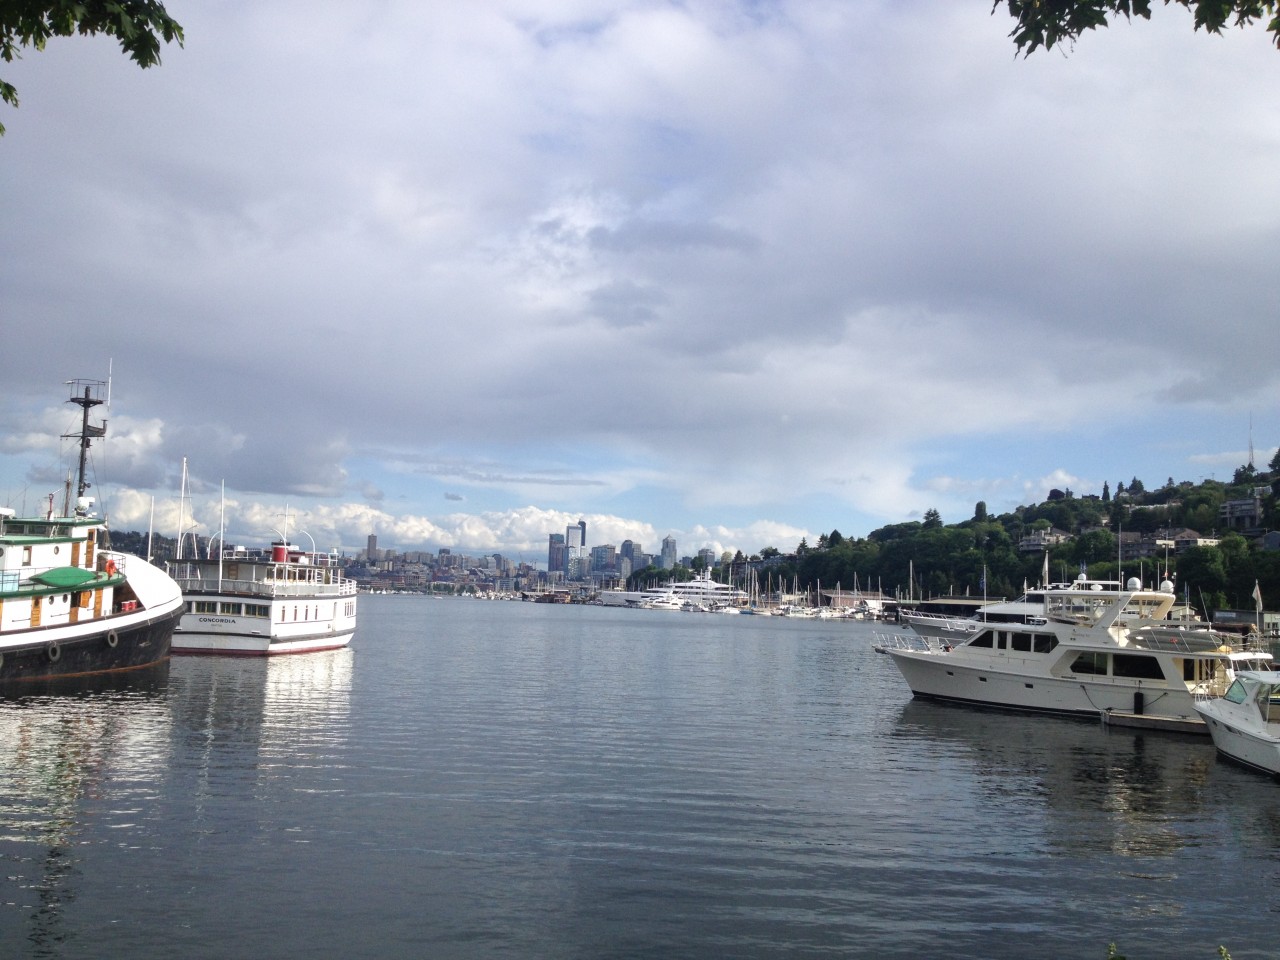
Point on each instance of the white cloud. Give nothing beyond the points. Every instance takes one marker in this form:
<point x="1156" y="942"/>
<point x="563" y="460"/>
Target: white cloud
<point x="699" y="264"/>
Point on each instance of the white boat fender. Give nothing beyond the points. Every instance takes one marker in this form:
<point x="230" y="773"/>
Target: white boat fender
<point x="113" y="638"/>
<point x="53" y="651"/>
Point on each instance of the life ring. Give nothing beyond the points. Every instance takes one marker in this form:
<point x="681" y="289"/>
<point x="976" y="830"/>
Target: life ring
<point x="111" y="568"/>
<point x="113" y="638"/>
<point x="54" y="651"/>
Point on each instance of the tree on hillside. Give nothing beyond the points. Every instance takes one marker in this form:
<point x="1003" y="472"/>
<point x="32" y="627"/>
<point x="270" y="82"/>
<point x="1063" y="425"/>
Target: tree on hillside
<point x="1245" y="474"/>
<point x="139" y="25"/>
<point x="1274" y="465"/>
<point x="932" y="519"/>
<point x="1042" y="24"/>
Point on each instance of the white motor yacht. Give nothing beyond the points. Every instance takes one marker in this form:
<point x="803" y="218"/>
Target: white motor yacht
<point x="1096" y="648"/>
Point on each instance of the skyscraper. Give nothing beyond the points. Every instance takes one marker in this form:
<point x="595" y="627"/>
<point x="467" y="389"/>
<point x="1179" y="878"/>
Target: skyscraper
<point x="557" y="555"/>
<point x="668" y="553"/>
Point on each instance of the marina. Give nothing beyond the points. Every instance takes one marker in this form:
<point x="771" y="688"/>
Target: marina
<point x="477" y="779"/>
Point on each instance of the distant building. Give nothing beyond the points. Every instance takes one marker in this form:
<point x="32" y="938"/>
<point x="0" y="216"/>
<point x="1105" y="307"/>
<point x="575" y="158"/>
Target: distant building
<point x="557" y="553"/>
<point x="668" y="553"/>
<point x="1037" y="541"/>
<point x="1243" y="514"/>
<point x="603" y="558"/>
<point x="371" y="551"/>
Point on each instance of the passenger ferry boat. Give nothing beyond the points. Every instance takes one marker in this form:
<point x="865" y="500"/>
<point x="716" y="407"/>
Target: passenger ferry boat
<point x="264" y="602"/>
<point x="69" y="605"/>
<point x="1098" y="648"/>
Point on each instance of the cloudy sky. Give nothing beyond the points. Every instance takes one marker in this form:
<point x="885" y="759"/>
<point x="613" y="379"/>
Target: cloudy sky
<point x="739" y="271"/>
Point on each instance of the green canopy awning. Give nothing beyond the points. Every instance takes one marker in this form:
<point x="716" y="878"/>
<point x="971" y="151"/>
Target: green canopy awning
<point x="65" y="577"/>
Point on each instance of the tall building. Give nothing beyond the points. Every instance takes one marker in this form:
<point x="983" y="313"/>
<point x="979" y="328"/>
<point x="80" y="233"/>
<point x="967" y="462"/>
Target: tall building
<point x="603" y="557"/>
<point x="668" y="553"/>
<point x="557" y="553"/>
<point x="371" y="551"/>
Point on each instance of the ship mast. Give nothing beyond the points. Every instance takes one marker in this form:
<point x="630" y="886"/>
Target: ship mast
<point x="88" y="432"/>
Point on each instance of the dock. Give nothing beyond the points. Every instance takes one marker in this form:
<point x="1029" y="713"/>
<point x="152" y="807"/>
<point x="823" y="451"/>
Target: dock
<point x="1142" y="721"/>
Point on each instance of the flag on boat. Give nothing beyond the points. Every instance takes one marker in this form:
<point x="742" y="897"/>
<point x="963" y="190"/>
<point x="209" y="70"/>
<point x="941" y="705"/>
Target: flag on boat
<point x="1044" y="574"/>
<point x="1257" y="596"/>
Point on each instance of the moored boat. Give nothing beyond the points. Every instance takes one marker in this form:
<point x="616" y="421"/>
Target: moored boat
<point x="264" y="602"/>
<point x="69" y="605"/>
<point x="1245" y="721"/>
<point x="1097" y="648"/>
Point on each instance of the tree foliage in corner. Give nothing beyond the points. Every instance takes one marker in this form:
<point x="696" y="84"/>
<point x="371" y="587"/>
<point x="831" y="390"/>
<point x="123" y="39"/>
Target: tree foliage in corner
<point x="139" y="25"/>
<point x="1042" y="23"/>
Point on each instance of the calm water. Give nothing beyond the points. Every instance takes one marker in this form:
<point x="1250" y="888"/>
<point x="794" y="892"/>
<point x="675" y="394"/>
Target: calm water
<point x="516" y="780"/>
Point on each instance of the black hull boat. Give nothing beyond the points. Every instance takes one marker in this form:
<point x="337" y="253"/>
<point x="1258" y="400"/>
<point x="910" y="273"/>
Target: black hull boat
<point x="69" y="605"/>
<point x="126" y="648"/>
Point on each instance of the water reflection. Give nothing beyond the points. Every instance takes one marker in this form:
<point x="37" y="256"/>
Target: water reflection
<point x="264" y="717"/>
<point x="1130" y="793"/>
<point x="65" y="747"/>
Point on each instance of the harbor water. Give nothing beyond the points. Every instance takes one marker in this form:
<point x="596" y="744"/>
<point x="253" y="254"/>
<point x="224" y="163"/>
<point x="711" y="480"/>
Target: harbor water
<point x="485" y="779"/>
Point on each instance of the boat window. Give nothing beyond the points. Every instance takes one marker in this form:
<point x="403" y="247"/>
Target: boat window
<point x="206" y="606"/>
<point x="233" y="609"/>
<point x="1043" y="644"/>
<point x="1021" y="642"/>
<point x="1093" y="663"/>
<point x="1136" y="666"/>
<point x="1235" y="693"/>
<point x="984" y="639"/>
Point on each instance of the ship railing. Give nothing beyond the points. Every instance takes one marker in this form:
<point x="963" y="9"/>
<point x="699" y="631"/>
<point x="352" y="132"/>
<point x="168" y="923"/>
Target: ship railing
<point x="910" y="641"/>
<point x="265" y="588"/>
<point x="21" y="581"/>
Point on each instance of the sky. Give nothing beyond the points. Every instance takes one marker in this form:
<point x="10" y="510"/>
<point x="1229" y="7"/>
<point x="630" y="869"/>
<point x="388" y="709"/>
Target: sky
<point x="735" y="271"/>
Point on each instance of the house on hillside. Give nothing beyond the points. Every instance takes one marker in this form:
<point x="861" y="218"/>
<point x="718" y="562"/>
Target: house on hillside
<point x="1037" y="541"/>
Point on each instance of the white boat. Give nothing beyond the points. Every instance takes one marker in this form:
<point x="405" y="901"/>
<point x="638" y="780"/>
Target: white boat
<point x="700" y="593"/>
<point x="264" y="602"/>
<point x="1100" y="649"/>
<point x="69" y="605"/>
<point x="1245" y="721"/>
